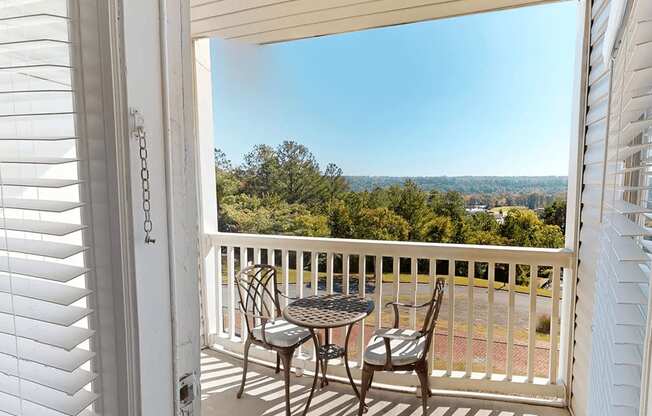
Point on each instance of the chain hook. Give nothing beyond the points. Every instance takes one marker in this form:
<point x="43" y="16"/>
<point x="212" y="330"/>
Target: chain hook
<point x="139" y="133"/>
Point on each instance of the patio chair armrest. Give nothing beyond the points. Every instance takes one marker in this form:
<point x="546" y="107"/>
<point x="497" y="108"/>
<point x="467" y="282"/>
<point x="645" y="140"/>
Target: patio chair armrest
<point x="288" y="297"/>
<point x="397" y="305"/>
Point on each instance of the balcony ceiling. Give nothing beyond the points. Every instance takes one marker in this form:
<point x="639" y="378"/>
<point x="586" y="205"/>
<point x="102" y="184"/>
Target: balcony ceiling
<point x="270" y="21"/>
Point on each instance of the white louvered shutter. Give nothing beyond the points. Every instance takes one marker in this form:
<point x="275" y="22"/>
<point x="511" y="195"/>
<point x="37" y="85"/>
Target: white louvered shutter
<point x="45" y="279"/>
<point x="623" y="273"/>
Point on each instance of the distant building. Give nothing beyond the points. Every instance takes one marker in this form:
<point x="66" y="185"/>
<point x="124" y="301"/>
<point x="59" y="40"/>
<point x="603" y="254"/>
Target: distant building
<point x="472" y="209"/>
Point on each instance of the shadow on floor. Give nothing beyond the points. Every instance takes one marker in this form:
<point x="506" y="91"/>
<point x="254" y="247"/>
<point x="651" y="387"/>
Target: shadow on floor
<point x="264" y="395"/>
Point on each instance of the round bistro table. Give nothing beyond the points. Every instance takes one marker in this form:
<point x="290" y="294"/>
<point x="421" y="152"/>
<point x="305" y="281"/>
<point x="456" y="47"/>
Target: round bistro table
<point x="328" y="312"/>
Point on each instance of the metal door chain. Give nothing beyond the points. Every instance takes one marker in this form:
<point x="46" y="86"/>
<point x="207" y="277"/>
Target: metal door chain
<point x="144" y="181"/>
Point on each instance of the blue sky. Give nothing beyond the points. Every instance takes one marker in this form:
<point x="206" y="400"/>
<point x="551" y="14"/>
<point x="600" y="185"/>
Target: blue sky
<point x="487" y="94"/>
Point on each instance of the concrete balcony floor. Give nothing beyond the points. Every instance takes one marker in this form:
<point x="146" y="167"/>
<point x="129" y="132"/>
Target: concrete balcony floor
<point x="264" y="395"/>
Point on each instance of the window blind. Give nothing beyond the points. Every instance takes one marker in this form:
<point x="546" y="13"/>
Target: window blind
<point x="46" y="323"/>
<point x="623" y="273"/>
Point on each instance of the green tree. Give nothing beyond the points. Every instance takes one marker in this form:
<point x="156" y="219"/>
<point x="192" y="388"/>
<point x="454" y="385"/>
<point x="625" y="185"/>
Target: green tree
<point x="555" y="214"/>
<point x="270" y="215"/>
<point x="449" y="204"/>
<point x="411" y="204"/>
<point x="485" y="238"/>
<point x="336" y="184"/>
<point x="259" y="171"/>
<point x="341" y="223"/>
<point x="519" y="227"/>
<point x="438" y="229"/>
<point x="548" y="236"/>
<point x="381" y="224"/>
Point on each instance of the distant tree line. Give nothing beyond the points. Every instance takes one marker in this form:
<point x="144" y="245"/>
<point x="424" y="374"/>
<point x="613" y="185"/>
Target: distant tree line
<point x="489" y="190"/>
<point x="282" y="190"/>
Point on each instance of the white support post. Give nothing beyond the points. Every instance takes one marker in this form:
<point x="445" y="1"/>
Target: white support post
<point x="415" y="287"/>
<point x="285" y="264"/>
<point x="396" y="264"/>
<point x="219" y="304"/>
<point x="299" y="274"/>
<point x="469" y="318"/>
<point x="532" y="327"/>
<point x="243" y="319"/>
<point x="554" y="325"/>
<point x="451" y="316"/>
<point x="230" y="262"/>
<point x="256" y="255"/>
<point x="490" y="319"/>
<point x="314" y="269"/>
<point x="330" y="258"/>
<point x="511" y="312"/>
<point x="432" y="269"/>
<point x="378" y="291"/>
<point x="345" y="273"/>
<point x="362" y="282"/>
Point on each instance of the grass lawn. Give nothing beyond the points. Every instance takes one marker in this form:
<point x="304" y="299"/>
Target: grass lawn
<point x="506" y="208"/>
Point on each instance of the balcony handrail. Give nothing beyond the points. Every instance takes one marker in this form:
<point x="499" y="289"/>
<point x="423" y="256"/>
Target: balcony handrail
<point x="561" y="257"/>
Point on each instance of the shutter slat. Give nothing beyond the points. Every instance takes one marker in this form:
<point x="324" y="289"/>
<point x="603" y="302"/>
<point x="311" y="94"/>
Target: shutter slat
<point x="639" y="79"/>
<point x="41" y="269"/>
<point x="42" y="311"/>
<point x="68" y="383"/>
<point x="66" y="338"/>
<point x="61" y="402"/>
<point x="43" y="290"/>
<point x="40" y="182"/>
<point x="627" y="249"/>
<point x="41" y="205"/>
<point x="37" y="138"/>
<point x="44" y="354"/>
<point x="623" y="207"/>
<point x="59" y="229"/>
<point x="635" y="128"/>
<point x="10" y="404"/>
<point x="40" y="248"/>
<point x="628" y="151"/>
<point x="638" y="103"/>
<point x="33" y="160"/>
<point x="627" y="228"/>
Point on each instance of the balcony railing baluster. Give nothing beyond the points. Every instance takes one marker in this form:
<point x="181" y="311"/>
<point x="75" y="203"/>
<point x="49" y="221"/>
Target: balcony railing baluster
<point x="470" y="318"/>
<point x="451" y="316"/>
<point x="415" y="284"/>
<point x="362" y="290"/>
<point x="554" y="325"/>
<point x="491" y="277"/>
<point x="230" y="264"/>
<point x="510" y="322"/>
<point x="532" y="327"/>
<point x="218" y="290"/>
<point x="243" y="265"/>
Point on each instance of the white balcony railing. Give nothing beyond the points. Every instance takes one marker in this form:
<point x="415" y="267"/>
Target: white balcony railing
<point x="486" y="337"/>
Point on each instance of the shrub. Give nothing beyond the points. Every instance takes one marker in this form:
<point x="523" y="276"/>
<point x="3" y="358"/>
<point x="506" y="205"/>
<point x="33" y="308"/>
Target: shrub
<point x="543" y="324"/>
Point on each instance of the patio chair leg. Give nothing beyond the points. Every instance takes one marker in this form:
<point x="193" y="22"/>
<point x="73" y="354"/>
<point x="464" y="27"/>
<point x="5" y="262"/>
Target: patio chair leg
<point x="244" y="367"/>
<point x="367" y="375"/>
<point x="278" y="363"/>
<point x="287" y="363"/>
<point x="422" y="373"/>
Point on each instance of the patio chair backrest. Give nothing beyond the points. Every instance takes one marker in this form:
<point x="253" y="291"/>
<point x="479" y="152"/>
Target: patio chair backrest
<point x="430" y="320"/>
<point x="259" y="294"/>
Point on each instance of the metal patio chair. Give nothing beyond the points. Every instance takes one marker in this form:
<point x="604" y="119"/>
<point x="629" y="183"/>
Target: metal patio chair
<point x="395" y="349"/>
<point x="259" y="303"/>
